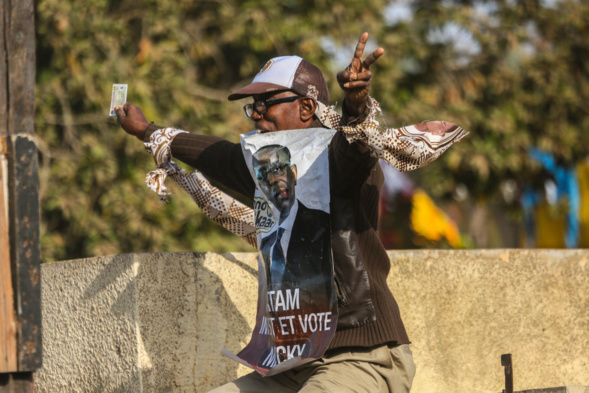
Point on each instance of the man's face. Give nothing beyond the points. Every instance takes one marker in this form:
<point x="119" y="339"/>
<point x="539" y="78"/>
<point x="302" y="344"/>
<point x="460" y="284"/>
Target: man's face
<point x="276" y="176"/>
<point x="279" y="117"/>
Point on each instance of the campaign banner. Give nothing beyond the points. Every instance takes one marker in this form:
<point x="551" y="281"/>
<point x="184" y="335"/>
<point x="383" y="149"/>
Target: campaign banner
<point x="297" y="304"/>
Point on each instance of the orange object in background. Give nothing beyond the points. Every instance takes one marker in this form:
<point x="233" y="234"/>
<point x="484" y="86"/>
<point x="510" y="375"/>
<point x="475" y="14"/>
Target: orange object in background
<point x="409" y="218"/>
<point x="431" y="223"/>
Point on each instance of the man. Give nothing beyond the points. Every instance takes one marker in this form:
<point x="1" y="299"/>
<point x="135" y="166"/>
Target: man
<point x="277" y="176"/>
<point x="296" y="252"/>
<point x="369" y="352"/>
<point x="308" y="229"/>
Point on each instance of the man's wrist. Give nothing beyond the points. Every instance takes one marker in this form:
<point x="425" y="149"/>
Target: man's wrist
<point x="354" y="108"/>
<point x="354" y="113"/>
<point x="150" y="129"/>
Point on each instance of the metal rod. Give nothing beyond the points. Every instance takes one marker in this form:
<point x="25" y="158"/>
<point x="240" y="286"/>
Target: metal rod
<point x="506" y="363"/>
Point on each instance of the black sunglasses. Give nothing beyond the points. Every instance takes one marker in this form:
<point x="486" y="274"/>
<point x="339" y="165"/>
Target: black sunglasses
<point x="276" y="169"/>
<point x="261" y="106"/>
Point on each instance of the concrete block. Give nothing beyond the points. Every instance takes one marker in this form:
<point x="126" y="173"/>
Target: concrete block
<point x="464" y="309"/>
<point x="90" y="326"/>
<point x="191" y="306"/>
<point x="145" y="322"/>
<point x="157" y="322"/>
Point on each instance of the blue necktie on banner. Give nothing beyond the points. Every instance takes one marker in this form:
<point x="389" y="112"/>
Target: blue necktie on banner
<point x="278" y="259"/>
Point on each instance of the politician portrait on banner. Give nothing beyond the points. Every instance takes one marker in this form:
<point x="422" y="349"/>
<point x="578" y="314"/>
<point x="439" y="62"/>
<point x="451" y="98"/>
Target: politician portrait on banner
<point x="297" y="304"/>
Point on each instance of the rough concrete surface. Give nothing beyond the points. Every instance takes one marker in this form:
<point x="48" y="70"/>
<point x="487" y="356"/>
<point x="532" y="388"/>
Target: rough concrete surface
<point x="463" y="309"/>
<point x="189" y="309"/>
<point x="89" y="319"/>
<point x="157" y="322"/>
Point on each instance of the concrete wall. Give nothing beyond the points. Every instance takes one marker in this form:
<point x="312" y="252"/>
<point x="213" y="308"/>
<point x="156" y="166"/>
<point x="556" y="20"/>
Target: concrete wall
<point x="157" y="322"/>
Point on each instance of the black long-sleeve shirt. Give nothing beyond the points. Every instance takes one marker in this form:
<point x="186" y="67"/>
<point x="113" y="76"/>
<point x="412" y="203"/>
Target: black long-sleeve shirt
<point x="368" y="312"/>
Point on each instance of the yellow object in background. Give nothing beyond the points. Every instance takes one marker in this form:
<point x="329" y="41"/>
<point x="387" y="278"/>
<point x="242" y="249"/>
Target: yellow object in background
<point x="583" y="179"/>
<point x="550" y="227"/>
<point x="431" y="222"/>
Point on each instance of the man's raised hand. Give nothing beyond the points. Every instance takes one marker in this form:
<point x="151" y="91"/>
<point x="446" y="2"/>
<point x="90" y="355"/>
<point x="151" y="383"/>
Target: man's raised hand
<point x="355" y="79"/>
<point x="132" y="119"/>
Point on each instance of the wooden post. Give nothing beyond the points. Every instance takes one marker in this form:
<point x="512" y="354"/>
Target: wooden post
<point x="16" y="383"/>
<point x="7" y="317"/>
<point x="20" y="308"/>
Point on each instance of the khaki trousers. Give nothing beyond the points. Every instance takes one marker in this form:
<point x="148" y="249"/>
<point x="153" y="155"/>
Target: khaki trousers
<point x="372" y="370"/>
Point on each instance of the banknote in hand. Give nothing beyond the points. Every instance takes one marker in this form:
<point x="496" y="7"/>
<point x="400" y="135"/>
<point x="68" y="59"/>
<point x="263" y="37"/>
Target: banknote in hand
<point x="119" y="97"/>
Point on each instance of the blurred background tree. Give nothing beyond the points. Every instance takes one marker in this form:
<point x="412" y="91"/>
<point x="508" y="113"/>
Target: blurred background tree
<point x="513" y="73"/>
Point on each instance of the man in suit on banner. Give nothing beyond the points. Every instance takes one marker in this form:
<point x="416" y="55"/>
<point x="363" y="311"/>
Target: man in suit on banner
<point x="297" y="252"/>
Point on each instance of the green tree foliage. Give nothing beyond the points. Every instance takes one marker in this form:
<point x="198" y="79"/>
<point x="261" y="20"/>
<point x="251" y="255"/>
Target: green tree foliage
<point x="180" y="60"/>
<point x="513" y="73"/>
<point x="522" y="81"/>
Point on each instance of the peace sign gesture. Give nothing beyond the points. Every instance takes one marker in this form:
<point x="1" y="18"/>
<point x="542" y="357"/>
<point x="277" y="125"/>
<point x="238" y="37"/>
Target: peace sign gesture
<point x="355" y="79"/>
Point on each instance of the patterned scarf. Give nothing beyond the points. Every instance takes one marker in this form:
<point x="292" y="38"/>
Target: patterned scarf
<point x="406" y="148"/>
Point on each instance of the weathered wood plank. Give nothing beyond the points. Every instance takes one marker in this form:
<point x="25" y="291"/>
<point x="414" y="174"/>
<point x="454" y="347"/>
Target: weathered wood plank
<point x="25" y="251"/>
<point x="17" y="74"/>
<point x="8" y="359"/>
<point x="3" y="73"/>
<point x="16" y="383"/>
<point x="20" y="45"/>
<point x="8" y="343"/>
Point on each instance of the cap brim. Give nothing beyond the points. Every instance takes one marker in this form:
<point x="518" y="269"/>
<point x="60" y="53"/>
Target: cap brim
<point x="255" y="89"/>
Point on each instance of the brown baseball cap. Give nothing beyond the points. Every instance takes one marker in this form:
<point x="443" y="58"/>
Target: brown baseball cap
<point x="287" y="73"/>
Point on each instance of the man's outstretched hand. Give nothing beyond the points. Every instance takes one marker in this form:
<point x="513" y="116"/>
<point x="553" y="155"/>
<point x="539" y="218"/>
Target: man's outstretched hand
<point x="132" y="119"/>
<point x="355" y="79"/>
